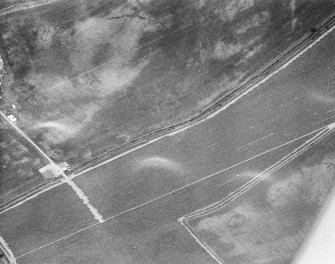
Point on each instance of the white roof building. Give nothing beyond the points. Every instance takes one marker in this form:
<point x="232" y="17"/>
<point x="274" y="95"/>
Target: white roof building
<point x="64" y="166"/>
<point x="12" y="118"/>
<point x="49" y="171"/>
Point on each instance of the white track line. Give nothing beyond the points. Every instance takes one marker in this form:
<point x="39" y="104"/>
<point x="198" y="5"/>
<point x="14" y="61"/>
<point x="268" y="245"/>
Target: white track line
<point x="325" y="119"/>
<point x="222" y="109"/>
<point x="331" y="110"/>
<point x="66" y="179"/>
<point x="169" y="193"/>
<point x="255" y="141"/>
<point x="60" y="239"/>
<point x="207" y="177"/>
<point x="273" y="73"/>
<point x="114" y="158"/>
<point x="233" y="101"/>
<point x="235" y="165"/>
<point x="232" y="180"/>
<point x="20" y="186"/>
<point x="202" y="243"/>
<point x="7" y="251"/>
<point x="276" y="166"/>
<point x="217" y="206"/>
<point x="72" y="245"/>
<point x="24" y="6"/>
<point x="32" y="197"/>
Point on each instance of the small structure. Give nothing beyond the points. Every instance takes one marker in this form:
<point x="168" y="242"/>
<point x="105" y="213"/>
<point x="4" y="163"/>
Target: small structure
<point x="15" y="106"/>
<point x="12" y="118"/>
<point x="65" y="167"/>
<point x="50" y="171"/>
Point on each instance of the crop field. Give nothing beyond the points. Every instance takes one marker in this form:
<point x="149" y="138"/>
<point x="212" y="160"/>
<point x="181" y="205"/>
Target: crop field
<point x="89" y="76"/>
<point x="271" y="218"/>
<point x="141" y="211"/>
<point x="8" y="3"/>
<point x="19" y="165"/>
<point x="248" y="183"/>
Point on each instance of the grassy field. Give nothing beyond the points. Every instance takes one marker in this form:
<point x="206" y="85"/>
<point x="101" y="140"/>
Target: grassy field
<point x="19" y="165"/>
<point x="89" y="76"/>
<point x="269" y="223"/>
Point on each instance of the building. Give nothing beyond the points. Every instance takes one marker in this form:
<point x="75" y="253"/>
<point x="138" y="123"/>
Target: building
<point x="64" y="166"/>
<point x="50" y="171"/>
<point x="12" y="118"/>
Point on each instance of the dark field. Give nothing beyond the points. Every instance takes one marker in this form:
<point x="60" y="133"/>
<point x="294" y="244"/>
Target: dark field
<point x="270" y="222"/>
<point x="90" y="76"/>
<point x="147" y="234"/>
<point x="8" y="3"/>
<point x="143" y="194"/>
<point x="19" y="164"/>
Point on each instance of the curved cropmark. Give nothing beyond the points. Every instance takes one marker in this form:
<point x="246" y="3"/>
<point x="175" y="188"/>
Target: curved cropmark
<point x="58" y="131"/>
<point x="157" y="162"/>
<point x="66" y="129"/>
<point x="322" y="98"/>
<point x="56" y="125"/>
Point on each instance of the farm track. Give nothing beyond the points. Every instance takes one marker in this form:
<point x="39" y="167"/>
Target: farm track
<point x="220" y="104"/>
<point x="24" y="6"/>
<point x="224" y="100"/>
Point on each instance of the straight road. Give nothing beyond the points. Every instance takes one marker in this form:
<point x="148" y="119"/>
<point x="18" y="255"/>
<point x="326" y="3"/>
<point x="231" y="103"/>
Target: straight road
<point x="140" y="227"/>
<point x="58" y="170"/>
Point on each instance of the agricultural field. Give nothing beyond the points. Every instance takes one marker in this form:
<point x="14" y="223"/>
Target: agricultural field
<point x="270" y="223"/>
<point x="270" y="154"/>
<point x="9" y="3"/>
<point x="19" y="165"/>
<point x="89" y="76"/>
